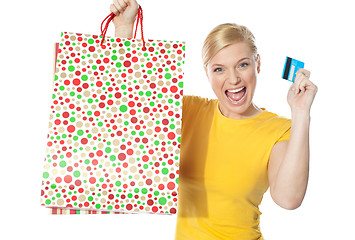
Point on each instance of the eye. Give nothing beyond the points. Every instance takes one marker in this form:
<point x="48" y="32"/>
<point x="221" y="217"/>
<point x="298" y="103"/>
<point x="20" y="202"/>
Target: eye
<point x="217" y="70"/>
<point x="243" y="65"/>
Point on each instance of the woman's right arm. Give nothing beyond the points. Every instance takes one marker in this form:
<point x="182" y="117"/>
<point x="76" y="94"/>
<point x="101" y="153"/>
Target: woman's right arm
<point x="126" y="12"/>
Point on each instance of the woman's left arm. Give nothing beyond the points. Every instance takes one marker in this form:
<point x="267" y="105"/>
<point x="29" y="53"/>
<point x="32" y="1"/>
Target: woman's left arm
<point x="288" y="166"/>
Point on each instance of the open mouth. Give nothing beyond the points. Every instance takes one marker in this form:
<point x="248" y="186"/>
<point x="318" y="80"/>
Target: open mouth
<point x="236" y="96"/>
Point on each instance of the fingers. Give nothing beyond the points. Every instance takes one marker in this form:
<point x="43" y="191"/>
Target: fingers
<point x="303" y="71"/>
<point x="113" y="9"/>
<point x="302" y="81"/>
<point x="118" y="6"/>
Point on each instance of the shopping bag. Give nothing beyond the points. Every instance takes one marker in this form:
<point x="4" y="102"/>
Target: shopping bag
<point x="114" y="132"/>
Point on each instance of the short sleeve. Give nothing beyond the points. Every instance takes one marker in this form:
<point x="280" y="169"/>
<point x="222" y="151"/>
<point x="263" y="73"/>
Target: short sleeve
<point x="285" y="131"/>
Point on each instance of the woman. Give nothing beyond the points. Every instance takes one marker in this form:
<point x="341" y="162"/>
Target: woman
<point x="231" y="150"/>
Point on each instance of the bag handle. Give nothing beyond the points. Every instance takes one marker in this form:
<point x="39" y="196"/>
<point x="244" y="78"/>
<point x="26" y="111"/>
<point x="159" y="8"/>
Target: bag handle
<point x="109" y="18"/>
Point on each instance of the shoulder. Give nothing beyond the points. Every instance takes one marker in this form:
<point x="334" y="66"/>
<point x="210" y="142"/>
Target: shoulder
<point x="275" y="118"/>
<point x="192" y="101"/>
<point x="278" y="124"/>
<point x="197" y="99"/>
<point x="194" y="107"/>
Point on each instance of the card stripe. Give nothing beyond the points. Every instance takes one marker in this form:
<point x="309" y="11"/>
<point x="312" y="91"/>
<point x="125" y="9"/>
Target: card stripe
<point x="287" y="68"/>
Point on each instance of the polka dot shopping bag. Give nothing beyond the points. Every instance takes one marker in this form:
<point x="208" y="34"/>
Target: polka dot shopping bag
<point x="113" y="142"/>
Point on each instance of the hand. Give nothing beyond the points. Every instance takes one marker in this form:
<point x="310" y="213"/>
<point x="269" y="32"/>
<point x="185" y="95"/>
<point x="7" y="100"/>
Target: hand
<point x="126" y="12"/>
<point x="301" y="93"/>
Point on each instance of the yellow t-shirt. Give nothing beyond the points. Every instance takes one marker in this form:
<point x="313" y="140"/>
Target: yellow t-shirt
<point x="223" y="170"/>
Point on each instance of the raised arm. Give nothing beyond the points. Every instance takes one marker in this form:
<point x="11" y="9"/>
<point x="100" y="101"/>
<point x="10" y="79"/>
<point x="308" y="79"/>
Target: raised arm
<point x="126" y="12"/>
<point x="288" y="167"/>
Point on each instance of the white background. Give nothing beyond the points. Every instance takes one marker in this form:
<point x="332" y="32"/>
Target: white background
<point x="320" y="33"/>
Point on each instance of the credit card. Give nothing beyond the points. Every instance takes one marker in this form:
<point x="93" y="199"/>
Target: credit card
<point x="291" y="67"/>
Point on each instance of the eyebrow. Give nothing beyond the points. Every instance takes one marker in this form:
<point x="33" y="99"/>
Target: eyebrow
<point x="217" y="64"/>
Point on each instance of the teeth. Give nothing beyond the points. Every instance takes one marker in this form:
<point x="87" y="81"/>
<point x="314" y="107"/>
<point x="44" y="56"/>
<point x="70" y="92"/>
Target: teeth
<point x="236" y="90"/>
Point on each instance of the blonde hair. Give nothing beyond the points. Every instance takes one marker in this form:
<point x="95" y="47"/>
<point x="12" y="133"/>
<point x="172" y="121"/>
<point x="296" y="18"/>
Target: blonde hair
<point x="224" y="35"/>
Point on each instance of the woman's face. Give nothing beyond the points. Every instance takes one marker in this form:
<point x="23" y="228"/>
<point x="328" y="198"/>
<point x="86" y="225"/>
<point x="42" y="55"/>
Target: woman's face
<point x="232" y="73"/>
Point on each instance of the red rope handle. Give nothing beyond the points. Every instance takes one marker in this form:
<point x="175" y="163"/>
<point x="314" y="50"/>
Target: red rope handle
<point x="109" y="18"/>
<point x="140" y="20"/>
<point x="104" y="30"/>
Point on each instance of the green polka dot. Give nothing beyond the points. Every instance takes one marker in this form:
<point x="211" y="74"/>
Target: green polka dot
<point x="165" y="171"/>
<point x="181" y="84"/>
<point x="91" y="41"/>
<point x="84" y="77"/>
<point x="80" y="132"/>
<point x="123" y="108"/>
<point x="144" y="190"/>
<point x="127" y="43"/>
<point x="118" y="64"/>
<point x="162" y="201"/>
<point x="97" y="206"/>
<point x="114" y="57"/>
<point x="48" y="201"/>
<point x="71" y="68"/>
<point x="112" y="157"/>
<point x="45" y="175"/>
<point x="118" y="183"/>
<point x="108" y="150"/>
<point x="167" y="75"/>
<point x="62" y="164"/>
<point x="76" y="173"/>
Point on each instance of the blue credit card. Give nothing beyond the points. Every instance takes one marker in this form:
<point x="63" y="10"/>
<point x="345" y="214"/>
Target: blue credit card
<point x="291" y="67"/>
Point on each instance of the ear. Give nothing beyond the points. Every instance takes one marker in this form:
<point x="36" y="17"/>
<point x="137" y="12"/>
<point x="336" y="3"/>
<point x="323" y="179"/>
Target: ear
<point x="258" y="63"/>
<point x="206" y="71"/>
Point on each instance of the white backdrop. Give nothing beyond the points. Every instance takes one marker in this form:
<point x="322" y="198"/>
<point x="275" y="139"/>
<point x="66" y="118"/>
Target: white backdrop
<point x="320" y="33"/>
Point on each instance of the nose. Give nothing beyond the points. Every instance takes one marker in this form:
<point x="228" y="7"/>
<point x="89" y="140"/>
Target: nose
<point x="234" y="76"/>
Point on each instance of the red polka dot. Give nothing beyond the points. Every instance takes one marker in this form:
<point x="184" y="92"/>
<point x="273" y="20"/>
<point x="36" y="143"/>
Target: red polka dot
<point x="76" y="82"/>
<point x="84" y="141"/>
<point x="149" y="181"/>
<point x="127" y="64"/>
<point x="171" y="185"/>
<point x="68" y="179"/>
<point x="171" y="135"/>
<point x="150" y="202"/>
<point x="91" y="49"/>
<point x="92" y="180"/>
<point x="71" y="128"/>
<point x="58" y="180"/>
<point x="145" y="158"/>
<point x="77" y="182"/>
<point x="121" y="156"/>
<point x="173" y="89"/>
